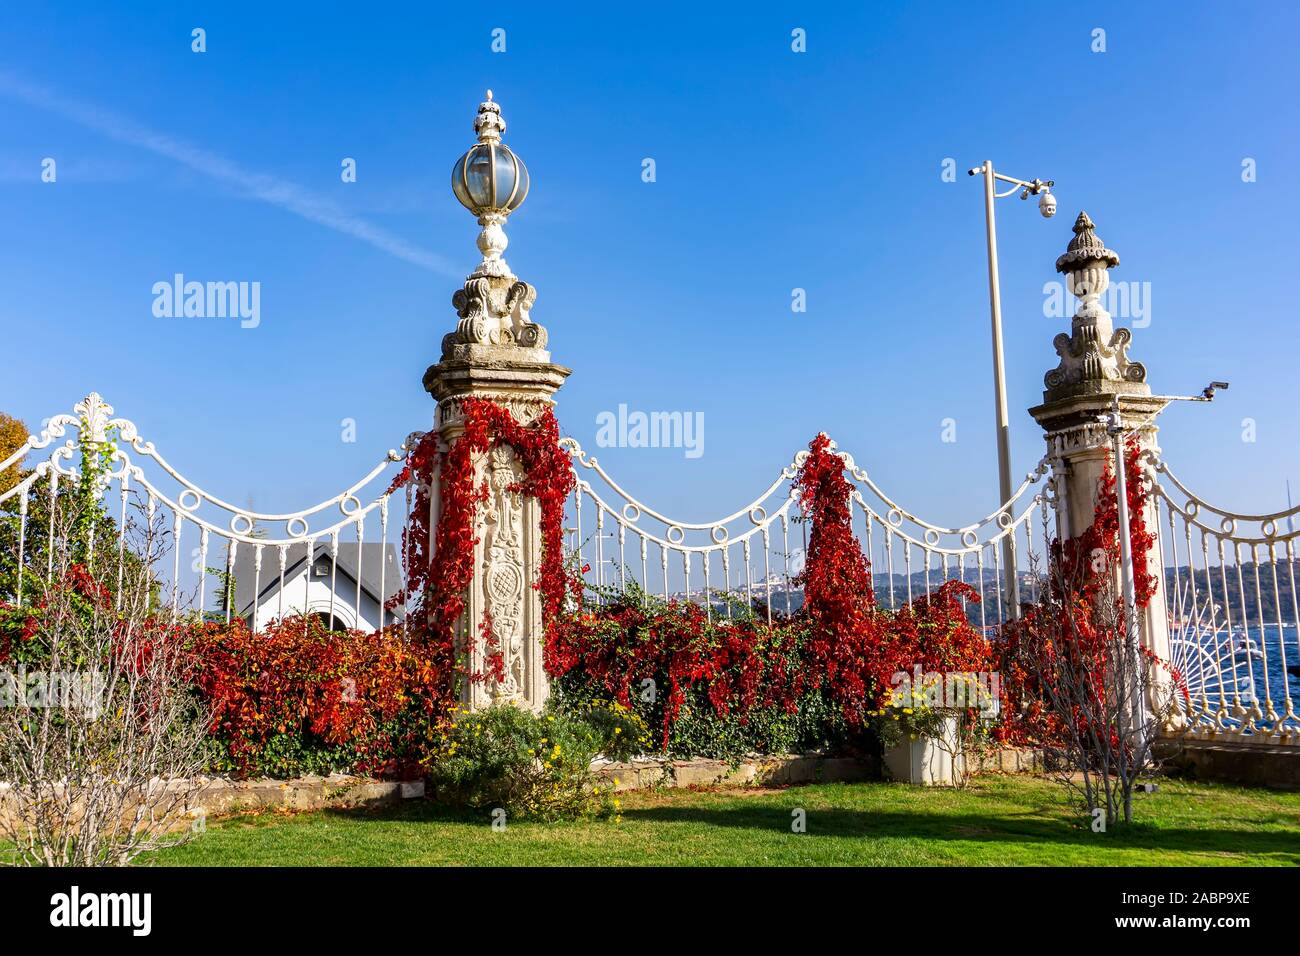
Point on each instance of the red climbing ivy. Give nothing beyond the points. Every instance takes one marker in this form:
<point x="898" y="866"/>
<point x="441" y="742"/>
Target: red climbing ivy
<point x="845" y="645"/>
<point x="439" y="578"/>
<point x="1068" y="631"/>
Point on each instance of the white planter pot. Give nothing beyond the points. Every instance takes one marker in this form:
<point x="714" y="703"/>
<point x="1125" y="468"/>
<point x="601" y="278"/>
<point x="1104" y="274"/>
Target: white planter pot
<point x="926" y="760"/>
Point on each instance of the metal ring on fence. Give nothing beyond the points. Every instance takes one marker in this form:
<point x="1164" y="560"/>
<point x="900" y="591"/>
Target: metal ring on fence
<point x="1005" y="520"/>
<point x="969" y="539"/>
<point x="681" y="535"/>
<point x="296" y="527"/>
<point x="237" y="528"/>
<point x="761" y="513"/>
<point x="894" y="517"/>
<point x="719" y="534"/>
<point x="1192" y="509"/>
<point x="1228" y="525"/>
<point x="195" y="498"/>
<point x="635" y="516"/>
<point x="931" y="537"/>
<point x="1268" y="529"/>
<point x="349" y="505"/>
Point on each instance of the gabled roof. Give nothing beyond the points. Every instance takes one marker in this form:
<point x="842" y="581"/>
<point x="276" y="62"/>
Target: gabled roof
<point x="346" y="570"/>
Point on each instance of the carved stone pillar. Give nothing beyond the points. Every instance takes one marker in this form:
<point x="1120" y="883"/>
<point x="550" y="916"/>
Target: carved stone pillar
<point x="498" y="353"/>
<point x="1094" y="369"/>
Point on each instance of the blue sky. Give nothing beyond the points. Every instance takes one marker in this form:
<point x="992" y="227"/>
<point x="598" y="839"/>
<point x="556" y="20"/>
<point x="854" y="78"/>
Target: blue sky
<point x="775" y="170"/>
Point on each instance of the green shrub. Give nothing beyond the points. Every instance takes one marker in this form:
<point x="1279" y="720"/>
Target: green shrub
<point x="533" y="766"/>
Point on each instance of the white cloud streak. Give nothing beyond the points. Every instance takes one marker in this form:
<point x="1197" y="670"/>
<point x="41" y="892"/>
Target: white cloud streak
<point x="267" y="188"/>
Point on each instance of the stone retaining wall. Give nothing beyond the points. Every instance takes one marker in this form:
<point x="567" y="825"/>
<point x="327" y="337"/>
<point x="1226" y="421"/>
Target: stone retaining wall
<point x="779" y="770"/>
<point x="221" y="797"/>
<point x="1233" y="761"/>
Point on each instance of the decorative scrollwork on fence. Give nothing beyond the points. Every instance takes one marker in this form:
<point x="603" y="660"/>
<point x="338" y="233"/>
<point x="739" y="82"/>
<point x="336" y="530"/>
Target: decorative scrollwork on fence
<point x="748" y="555"/>
<point x="296" y="548"/>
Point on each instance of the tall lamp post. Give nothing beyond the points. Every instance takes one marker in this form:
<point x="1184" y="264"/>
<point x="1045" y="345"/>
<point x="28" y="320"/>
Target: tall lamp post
<point x="1047" y="206"/>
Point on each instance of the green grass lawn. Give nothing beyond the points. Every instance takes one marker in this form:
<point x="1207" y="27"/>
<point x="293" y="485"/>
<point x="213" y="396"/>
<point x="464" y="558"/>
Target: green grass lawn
<point x="997" y="821"/>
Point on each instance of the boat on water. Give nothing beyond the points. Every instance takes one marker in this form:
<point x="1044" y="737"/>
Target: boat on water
<point x="1245" y="646"/>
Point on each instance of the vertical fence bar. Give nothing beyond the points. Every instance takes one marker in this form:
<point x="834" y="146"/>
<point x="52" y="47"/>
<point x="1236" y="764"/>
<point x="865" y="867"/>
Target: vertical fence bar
<point x="178" y="522"/>
<point x="767" y="567"/>
<point x="309" y="569"/>
<point x="997" y="571"/>
<point x="257" y="585"/>
<point x="600" y="546"/>
<point x="907" y="567"/>
<point x="22" y="547"/>
<point x="203" y="569"/>
<point x="279" y="591"/>
<point x="785" y="555"/>
<point x="726" y="578"/>
<point x="708" y="595"/>
<point x="383" y="558"/>
<point x="121" y="536"/>
<point x="889" y="555"/>
<point x="54" y="513"/>
<point x="645" y="568"/>
<point x="622" y="562"/>
<point x="749" y="577"/>
<point x="361" y="535"/>
<point x="226" y="597"/>
<point x="334" y="572"/>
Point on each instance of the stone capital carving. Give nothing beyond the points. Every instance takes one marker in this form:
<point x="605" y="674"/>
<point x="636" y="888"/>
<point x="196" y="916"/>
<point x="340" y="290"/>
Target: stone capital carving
<point x="494" y="310"/>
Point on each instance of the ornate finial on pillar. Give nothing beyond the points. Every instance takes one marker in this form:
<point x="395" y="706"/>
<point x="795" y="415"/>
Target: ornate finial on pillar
<point x="491" y="182"/>
<point x="1094" y="353"/>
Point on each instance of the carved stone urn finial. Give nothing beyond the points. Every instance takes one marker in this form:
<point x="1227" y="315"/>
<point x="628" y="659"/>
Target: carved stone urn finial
<point x="1086" y="264"/>
<point x="1094" y="353"/>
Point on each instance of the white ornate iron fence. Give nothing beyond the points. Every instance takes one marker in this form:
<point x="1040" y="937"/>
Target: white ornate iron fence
<point x="318" y="560"/>
<point x="753" y="556"/>
<point x="1234" y="620"/>
<point x="1234" y="623"/>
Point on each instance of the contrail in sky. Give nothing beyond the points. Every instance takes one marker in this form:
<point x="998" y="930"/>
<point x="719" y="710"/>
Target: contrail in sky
<point x="269" y="189"/>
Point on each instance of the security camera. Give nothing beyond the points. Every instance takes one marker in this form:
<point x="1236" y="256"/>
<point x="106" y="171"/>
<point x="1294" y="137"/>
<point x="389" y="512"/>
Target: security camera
<point x="1047" y="204"/>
